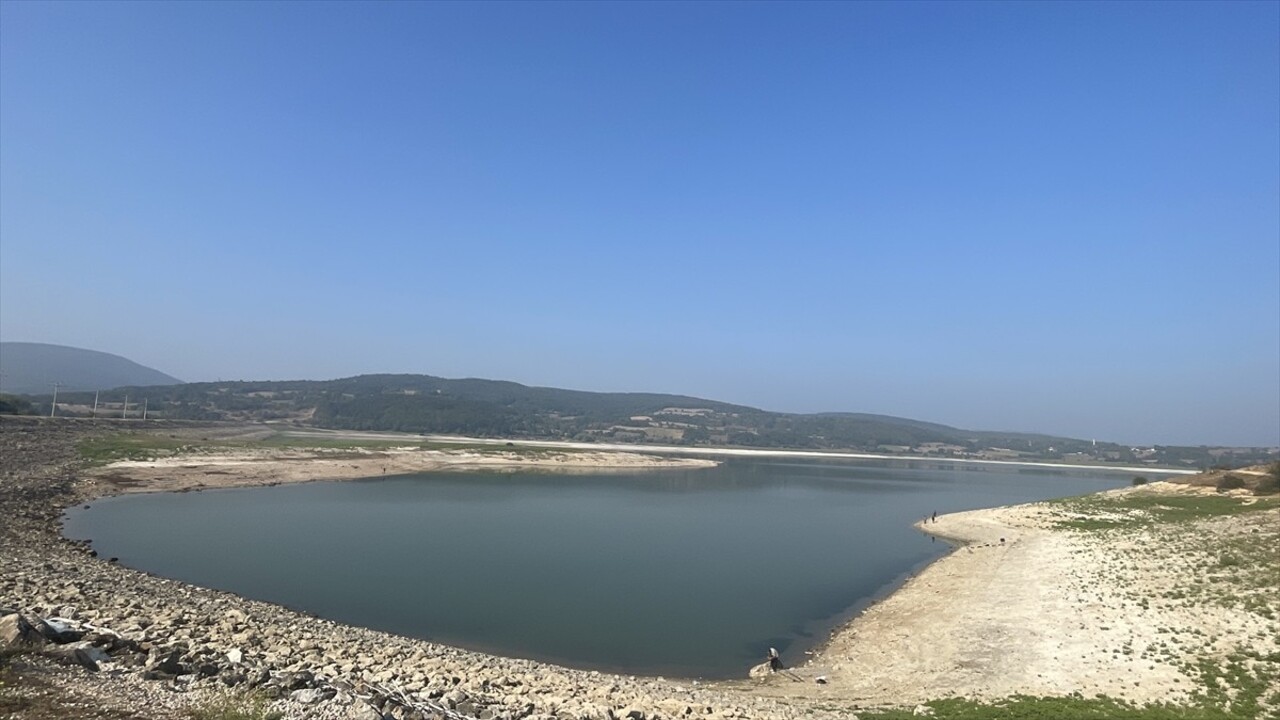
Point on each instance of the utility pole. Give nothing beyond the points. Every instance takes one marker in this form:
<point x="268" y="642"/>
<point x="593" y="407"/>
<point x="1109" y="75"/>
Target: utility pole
<point x="125" y="412"/>
<point x="55" y="398"/>
<point x="95" y="404"/>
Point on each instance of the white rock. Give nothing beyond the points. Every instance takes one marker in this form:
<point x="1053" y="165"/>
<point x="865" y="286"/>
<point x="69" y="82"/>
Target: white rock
<point x="308" y="696"/>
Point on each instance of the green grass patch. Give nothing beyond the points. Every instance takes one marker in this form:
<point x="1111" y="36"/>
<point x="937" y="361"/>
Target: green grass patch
<point x="285" y="440"/>
<point x="1244" y="682"/>
<point x="1219" y="550"/>
<point x="153" y="446"/>
<point x="1095" y="512"/>
<point x="113" y="448"/>
<point x="146" y="446"/>
<point x="1061" y="708"/>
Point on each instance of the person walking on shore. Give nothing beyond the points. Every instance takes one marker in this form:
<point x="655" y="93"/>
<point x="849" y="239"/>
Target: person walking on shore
<point x="775" y="660"/>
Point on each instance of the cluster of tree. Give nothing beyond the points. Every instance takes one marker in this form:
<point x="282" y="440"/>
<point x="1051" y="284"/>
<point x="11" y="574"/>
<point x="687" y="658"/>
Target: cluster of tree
<point x="14" y="405"/>
<point x="423" y="414"/>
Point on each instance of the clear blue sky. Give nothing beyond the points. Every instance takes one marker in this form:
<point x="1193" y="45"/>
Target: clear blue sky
<point x="1056" y="217"/>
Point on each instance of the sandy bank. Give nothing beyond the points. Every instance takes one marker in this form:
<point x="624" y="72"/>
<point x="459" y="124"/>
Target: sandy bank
<point x="1025" y="607"/>
<point x="259" y="466"/>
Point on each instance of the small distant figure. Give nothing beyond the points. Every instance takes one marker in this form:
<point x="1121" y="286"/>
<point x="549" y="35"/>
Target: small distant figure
<point x="935" y="516"/>
<point x="775" y="660"/>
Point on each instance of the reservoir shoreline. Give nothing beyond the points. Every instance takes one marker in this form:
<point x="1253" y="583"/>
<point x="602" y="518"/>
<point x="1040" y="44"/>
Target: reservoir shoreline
<point x="1023" y="606"/>
<point x="176" y="646"/>
<point x="971" y="623"/>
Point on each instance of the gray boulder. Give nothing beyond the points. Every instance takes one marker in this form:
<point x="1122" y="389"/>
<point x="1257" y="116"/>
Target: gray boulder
<point x="16" y="632"/>
<point x="82" y="653"/>
<point x="295" y="680"/>
<point x="311" y="696"/>
<point x="166" y="664"/>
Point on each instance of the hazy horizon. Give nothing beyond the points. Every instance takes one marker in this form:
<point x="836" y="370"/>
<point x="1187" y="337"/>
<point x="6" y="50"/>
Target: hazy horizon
<point x="1057" y="218"/>
<point x="1127" y="441"/>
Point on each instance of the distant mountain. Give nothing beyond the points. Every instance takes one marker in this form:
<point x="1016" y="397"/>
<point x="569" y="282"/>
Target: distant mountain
<point x="32" y="368"/>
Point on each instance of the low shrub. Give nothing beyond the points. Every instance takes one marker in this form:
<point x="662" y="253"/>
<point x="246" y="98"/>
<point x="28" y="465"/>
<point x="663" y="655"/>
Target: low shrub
<point x="13" y="405"/>
<point x="1270" y="484"/>
<point x="1230" y="482"/>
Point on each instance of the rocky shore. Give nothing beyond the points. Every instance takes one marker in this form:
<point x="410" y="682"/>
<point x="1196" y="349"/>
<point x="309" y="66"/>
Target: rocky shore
<point x="136" y="641"/>
<point x="1023" y="607"/>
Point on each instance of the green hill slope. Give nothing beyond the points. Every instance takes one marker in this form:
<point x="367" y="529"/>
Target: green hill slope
<point x="427" y="404"/>
<point x="32" y="368"/>
<point x="494" y="408"/>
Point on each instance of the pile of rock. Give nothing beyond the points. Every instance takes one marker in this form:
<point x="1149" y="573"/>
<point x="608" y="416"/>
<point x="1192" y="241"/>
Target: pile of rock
<point x="181" y="668"/>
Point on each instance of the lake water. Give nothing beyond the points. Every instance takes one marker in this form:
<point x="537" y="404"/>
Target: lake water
<point x="690" y="573"/>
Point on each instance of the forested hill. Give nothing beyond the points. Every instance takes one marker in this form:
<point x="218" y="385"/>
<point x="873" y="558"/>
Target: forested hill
<point x="491" y="408"/>
<point x="479" y="408"/>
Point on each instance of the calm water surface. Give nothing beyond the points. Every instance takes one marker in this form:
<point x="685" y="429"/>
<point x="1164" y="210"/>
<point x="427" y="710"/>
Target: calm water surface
<point x="683" y="573"/>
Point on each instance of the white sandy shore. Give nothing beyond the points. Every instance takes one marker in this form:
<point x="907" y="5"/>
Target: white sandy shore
<point x="1023" y="607"/>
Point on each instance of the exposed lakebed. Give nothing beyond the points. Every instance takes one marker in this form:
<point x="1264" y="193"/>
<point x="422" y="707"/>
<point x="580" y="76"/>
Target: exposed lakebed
<point x="684" y="573"/>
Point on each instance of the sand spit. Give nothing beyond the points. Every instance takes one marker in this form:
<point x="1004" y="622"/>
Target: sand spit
<point x="1021" y="607"/>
